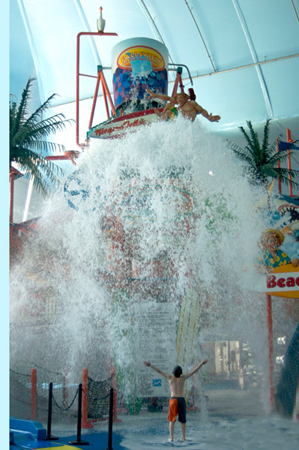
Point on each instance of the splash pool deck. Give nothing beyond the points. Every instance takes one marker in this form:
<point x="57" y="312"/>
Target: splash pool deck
<point x="230" y="421"/>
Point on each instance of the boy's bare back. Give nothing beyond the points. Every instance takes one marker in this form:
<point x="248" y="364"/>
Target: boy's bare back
<point x="176" y="384"/>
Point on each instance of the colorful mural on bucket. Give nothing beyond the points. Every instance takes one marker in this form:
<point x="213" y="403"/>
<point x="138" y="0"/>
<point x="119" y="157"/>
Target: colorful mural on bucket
<point x="138" y="64"/>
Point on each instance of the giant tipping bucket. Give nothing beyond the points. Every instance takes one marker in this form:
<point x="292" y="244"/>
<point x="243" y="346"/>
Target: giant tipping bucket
<point x="138" y="64"/>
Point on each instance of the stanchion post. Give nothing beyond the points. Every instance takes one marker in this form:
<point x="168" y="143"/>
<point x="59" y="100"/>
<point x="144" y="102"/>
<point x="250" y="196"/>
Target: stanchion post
<point x="49" y="437"/>
<point x="85" y="423"/>
<point x="114" y="385"/>
<point x="65" y="389"/>
<point x="270" y="349"/>
<point x="33" y="394"/>
<point x="79" y="441"/>
<point x="110" y="421"/>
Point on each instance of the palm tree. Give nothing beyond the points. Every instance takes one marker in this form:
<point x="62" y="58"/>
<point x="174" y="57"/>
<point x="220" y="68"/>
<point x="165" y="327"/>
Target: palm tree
<point x="261" y="159"/>
<point x="28" y="138"/>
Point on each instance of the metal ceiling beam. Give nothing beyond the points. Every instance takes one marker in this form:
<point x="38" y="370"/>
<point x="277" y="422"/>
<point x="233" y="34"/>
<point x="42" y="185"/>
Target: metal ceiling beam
<point x="152" y="23"/>
<point x="232" y="69"/>
<point x="246" y="66"/>
<point x="201" y="36"/>
<point x="251" y="47"/>
<point x="295" y="10"/>
<point x="33" y="49"/>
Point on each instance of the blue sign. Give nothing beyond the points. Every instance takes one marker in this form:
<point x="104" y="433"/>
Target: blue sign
<point x="157" y="383"/>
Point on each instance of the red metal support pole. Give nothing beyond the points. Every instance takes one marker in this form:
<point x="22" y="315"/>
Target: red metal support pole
<point x="33" y="394"/>
<point x="107" y="93"/>
<point x="289" y="139"/>
<point x="175" y="86"/>
<point x="278" y="166"/>
<point x="181" y="83"/>
<point x="178" y="81"/>
<point x="105" y="97"/>
<point x="270" y="348"/>
<point x="100" y="33"/>
<point x="85" y="423"/>
<point x="94" y="100"/>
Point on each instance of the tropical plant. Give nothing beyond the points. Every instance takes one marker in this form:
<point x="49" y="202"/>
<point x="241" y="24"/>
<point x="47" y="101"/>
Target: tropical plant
<point x="261" y="158"/>
<point x="28" y="139"/>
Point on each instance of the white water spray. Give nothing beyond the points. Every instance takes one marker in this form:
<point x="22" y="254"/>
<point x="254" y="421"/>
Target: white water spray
<point x="159" y="216"/>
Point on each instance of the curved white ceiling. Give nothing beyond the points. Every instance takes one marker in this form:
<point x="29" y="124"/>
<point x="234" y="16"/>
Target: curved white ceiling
<point x="243" y="55"/>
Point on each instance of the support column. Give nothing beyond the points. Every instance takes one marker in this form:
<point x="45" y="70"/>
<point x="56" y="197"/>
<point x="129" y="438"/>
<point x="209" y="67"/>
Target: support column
<point x="270" y="349"/>
<point x="33" y="394"/>
<point x="85" y="422"/>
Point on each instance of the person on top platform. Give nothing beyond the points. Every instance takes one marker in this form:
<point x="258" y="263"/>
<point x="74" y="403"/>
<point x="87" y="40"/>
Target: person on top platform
<point x="187" y="107"/>
<point x="177" y="403"/>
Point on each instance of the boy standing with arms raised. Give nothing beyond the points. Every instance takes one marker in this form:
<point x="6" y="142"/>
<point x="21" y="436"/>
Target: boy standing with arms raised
<point x="177" y="404"/>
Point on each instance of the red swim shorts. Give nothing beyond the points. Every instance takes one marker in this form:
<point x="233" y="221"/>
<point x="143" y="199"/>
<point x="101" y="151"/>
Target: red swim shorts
<point x="177" y="406"/>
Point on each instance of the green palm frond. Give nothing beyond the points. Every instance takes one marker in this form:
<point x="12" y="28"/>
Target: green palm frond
<point x="28" y="138"/>
<point x="265" y="144"/>
<point x="44" y="171"/>
<point x="261" y="159"/>
<point x="254" y="137"/>
<point x="38" y="113"/>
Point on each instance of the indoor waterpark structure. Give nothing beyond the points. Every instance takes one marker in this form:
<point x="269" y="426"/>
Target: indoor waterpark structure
<point x="147" y="231"/>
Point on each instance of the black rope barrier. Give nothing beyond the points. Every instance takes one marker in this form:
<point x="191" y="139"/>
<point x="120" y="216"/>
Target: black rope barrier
<point x="79" y="441"/>
<point x="65" y="409"/>
<point x="107" y="400"/>
<point x="46" y="369"/>
<point x="18" y="373"/>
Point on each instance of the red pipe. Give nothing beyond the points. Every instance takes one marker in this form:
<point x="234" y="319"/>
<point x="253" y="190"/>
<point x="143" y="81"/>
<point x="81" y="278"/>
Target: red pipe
<point x="270" y="348"/>
<point x="33" y="394"/>
<point x="56" y="158"/>
<point x="70" y="155"/>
